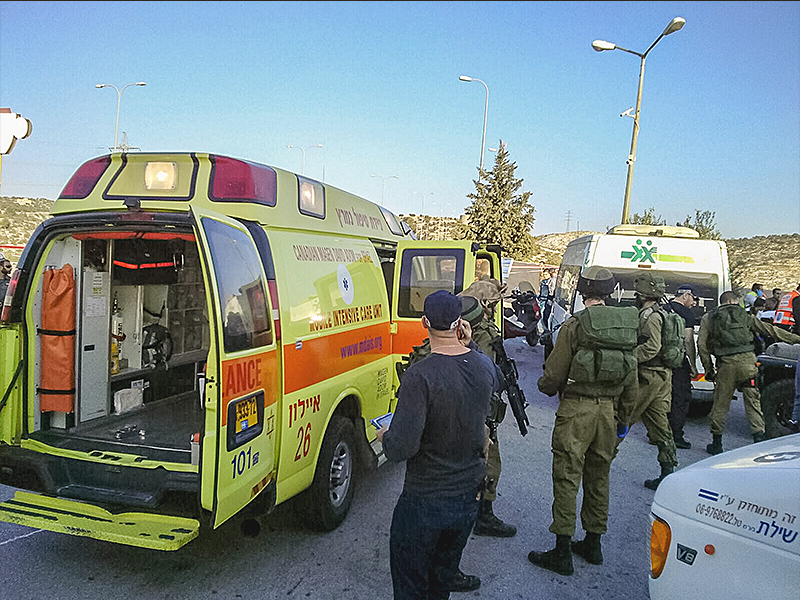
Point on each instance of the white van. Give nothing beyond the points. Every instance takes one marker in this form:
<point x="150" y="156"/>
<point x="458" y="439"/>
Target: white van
<point x="675" y="253"/>
<point x="726" y="527"/>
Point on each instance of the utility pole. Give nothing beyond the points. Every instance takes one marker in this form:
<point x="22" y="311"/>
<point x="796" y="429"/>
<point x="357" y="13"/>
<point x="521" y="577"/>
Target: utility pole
<point x="569" y="218"/>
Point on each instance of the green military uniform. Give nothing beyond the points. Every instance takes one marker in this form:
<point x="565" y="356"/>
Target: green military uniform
<point x="655" y="387"/>
<point x="483" y="334"/>
<point x="584" y="436"/>
<point x="735" y="366"/>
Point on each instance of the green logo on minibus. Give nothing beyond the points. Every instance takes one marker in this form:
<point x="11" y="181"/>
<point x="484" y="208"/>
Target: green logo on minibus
<point x="641" y="253"/>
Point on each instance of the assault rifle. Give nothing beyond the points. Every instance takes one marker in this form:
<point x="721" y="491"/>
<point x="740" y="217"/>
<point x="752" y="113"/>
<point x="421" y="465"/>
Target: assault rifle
<point x="516" y="397"/>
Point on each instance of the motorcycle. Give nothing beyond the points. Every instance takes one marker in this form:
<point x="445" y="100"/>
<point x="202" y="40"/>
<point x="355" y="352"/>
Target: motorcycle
<point x="521" y="319"/>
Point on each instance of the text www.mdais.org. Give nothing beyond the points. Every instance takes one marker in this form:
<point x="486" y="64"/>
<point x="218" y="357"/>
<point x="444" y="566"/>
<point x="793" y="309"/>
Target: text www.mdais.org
<point x="367" y="345"/>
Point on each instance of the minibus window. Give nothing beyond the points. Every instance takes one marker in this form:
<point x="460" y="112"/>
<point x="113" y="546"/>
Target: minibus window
<point x="242" y="296"/>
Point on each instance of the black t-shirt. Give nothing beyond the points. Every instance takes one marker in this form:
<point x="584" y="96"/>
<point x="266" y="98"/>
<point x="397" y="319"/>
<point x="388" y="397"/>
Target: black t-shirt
<point x="683" y="311"/>
<point x="439" y="423"/>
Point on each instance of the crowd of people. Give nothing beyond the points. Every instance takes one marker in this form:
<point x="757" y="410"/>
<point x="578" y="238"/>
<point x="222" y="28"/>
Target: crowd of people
<point x="611" y="367"/>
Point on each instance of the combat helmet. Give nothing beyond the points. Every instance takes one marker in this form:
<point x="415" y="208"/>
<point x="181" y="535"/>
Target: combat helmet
<point x="649" y="285"/>
<point x="596" y="282"/>
<point x="488" y="292"/>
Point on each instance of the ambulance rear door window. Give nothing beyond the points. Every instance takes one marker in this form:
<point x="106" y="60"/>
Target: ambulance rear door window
<point x="242" y="296"/>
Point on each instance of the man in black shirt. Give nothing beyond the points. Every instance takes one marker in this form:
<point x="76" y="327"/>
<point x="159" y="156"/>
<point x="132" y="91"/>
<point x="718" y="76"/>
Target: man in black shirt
<point x="439" y="429"/>
<point x="682" y="304"/>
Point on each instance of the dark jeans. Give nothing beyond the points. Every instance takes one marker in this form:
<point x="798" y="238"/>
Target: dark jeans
<point x="428" y="535"/>
<point x="681" y="397"/>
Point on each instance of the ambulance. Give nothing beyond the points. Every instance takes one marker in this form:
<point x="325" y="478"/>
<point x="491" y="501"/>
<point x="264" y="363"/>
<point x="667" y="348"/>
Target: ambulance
<point x="675" y="253"/>
<point x="191" y="335"/>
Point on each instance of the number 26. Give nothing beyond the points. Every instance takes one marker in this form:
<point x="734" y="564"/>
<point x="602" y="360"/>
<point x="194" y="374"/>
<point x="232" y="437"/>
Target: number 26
<point x="304" y="442"/>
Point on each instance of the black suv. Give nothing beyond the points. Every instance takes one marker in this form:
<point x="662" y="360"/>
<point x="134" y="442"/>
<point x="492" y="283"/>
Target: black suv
<point x="775" y="381"/>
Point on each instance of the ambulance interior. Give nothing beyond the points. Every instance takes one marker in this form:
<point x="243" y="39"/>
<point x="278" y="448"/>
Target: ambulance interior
<point x="140" y="335"/>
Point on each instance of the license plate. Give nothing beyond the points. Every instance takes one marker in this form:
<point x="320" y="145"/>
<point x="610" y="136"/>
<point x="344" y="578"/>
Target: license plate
<point x="246" y="414"/>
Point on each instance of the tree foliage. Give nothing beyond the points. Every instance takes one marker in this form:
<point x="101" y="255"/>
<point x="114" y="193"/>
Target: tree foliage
<point x="704" y="223"/>
<point x="500" y="213"/>
<point x="648" y="217"/>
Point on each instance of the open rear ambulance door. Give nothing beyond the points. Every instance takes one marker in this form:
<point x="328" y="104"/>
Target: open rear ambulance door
<point x="425" y="266"/>
<point x="242" y="375"/>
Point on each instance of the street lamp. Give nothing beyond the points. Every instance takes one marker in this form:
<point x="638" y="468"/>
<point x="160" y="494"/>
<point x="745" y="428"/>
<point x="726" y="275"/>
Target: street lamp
<point x="383" y="189"/>
<point x="600" y="45"/>
<point x="303" y="169"/>
<point x="119" y="101"/>
<point x="485" y="113"/>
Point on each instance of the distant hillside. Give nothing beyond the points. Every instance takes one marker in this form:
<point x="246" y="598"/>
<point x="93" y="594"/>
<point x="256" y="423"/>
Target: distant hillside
<point x="18" y="219"/>
<point x="772" y="260"/>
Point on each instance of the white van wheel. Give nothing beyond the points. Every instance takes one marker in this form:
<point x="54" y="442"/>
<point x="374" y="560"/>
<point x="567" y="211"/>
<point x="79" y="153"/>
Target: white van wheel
<point x="331" y="492"/>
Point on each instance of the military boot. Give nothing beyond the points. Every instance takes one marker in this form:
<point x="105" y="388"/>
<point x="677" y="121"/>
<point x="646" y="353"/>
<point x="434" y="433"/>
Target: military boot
<point x="488" y="524"/>
<point x="715" y="447"/>
<point x="589" y="548"/>
<point x="759" y="436"/>
<point x="558" y="560"/>
<point x="652" y="484"/>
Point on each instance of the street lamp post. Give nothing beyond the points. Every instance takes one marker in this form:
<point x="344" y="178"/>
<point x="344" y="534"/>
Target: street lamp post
<point x="303" y="168"/>
<point x="119" y="102"/>
<point x="485" y="113"/>
<point x="383" y="188"/>
<point x="600" y="45"/>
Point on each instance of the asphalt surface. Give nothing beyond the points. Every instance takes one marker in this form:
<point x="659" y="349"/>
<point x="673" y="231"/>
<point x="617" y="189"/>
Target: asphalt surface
<point x="288" y="561"/>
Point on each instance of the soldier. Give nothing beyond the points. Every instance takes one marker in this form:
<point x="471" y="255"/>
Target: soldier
<point x="727" y="332"/>
<point x="485" y="334"/>
<point x="593" y="412"/>
<point x="655" y="379"/>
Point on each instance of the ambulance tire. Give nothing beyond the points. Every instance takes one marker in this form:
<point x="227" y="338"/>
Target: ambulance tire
<point x="331" y="493"/>
<point x="777" y="400"/>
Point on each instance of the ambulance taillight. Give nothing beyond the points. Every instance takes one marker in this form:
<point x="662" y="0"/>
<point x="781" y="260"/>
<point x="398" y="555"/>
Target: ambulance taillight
<point x="85" y="178"/>
<point x="234" y="180"/>
<point x="5" y="313"/>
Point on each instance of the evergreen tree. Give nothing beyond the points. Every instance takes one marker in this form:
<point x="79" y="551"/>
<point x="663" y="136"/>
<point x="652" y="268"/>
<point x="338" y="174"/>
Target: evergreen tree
<point x="500" y="213"/>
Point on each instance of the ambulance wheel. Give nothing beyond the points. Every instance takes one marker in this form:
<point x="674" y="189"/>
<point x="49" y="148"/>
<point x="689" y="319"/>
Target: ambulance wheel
<point x="331" y="492"/>
<point x="777" y="400"/>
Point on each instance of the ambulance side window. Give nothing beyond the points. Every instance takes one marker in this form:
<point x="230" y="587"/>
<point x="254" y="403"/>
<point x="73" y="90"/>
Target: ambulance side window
<point x="245" y="318"/>
<point x="425" y="271"/>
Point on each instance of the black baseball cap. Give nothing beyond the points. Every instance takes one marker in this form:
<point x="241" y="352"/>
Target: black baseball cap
<point x="442" y="310"/>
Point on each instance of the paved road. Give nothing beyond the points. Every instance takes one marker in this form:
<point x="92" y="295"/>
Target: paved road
<point x="287" y="561"/>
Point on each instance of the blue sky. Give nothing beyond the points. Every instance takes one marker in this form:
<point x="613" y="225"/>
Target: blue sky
<point x="377" y="84"/>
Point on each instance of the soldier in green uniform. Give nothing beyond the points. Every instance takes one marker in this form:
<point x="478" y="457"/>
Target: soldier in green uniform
<point x="593" y="370"/>
<point x="655" y="379"/>
<point x="485" y="333"/>
<point x="727" y="333"/>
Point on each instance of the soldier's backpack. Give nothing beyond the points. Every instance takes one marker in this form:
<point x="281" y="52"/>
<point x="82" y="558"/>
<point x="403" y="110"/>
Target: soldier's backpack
<point x="606" y="338"/>
<point x="673" y="339"/>
<point x="729" y="330"/>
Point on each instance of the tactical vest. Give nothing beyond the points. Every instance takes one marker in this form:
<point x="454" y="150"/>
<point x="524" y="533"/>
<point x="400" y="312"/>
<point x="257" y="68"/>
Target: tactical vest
<point x="606" y="337"/>
<point x="673" y="338"/>
<point x="729" y="331"/>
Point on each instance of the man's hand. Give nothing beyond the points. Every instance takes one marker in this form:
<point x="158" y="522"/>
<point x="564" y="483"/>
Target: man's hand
<point x="711" y="375"/>
<point x="379" y="433"/>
